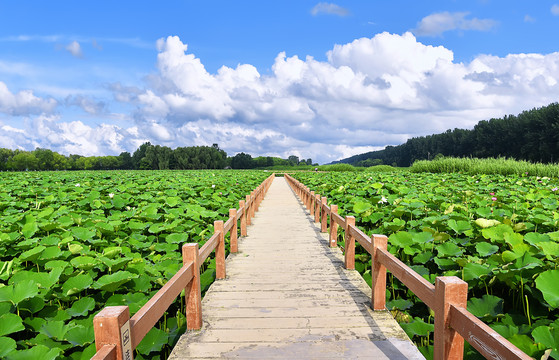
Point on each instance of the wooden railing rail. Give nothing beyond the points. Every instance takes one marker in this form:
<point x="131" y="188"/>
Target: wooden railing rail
<point x="448" y="297"/>
<point x="117" y="335"/>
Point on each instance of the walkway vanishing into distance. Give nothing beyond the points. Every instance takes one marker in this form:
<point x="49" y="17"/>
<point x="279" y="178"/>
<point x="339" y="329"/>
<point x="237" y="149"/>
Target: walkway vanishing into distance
<point x="288" y="296"/>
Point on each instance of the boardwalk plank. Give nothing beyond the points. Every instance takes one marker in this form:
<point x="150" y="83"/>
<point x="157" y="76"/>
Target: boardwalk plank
<point x="288" y="296"/>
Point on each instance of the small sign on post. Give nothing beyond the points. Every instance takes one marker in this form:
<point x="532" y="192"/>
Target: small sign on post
<point x="125" y="341"/>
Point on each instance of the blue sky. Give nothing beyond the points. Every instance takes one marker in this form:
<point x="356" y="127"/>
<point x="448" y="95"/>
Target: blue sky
<point x="323" y="80"/>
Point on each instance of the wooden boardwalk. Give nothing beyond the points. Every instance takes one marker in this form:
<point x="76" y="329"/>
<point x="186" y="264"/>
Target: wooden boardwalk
<point x="288" y="296"/>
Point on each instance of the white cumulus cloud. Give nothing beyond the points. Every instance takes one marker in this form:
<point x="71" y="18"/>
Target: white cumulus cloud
<point x="368" y="93"/>
<point x="555" y="9"/>
<point x="438" y="23"/>
<point x="75" y="49"/>
<point x="329" y="8"/>
<point x="23" y="103"/>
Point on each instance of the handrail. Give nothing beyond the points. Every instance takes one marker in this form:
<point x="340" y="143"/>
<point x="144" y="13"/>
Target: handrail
<point x="117" y="335"/>
<point x="453" y="322"/>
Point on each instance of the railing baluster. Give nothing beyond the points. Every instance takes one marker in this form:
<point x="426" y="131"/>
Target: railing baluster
<point x="219" y="251"/>
<point x="333" y="226"/>
<point x="323" y="215"/>
<point x="349" y="244"/>
<point x="243" y="218"/>
<point x="448" y="343"/>
<point x="378" y="273"/>
<point x="233" y="246"/>
<point x="193" y="293"/>
<point x="112" y="327"/>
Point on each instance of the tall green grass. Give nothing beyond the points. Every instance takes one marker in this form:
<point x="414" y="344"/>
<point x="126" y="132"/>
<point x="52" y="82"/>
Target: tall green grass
<point x="501" y="166"/>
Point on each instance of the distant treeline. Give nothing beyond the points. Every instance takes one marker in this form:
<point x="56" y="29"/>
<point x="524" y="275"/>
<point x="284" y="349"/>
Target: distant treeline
<point x="532" y="135"/>
<point x="146" y="157"/>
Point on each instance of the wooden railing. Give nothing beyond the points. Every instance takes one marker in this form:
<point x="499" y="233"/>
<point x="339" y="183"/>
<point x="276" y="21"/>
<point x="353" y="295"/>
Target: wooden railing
<point x="117" y="335"/>
<point x="447" y="298"/>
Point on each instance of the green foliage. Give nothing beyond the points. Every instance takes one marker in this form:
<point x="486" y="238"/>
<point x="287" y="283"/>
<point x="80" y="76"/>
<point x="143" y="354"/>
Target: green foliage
<point x="339" y="167"/>
<point x="530" y="136"/>
<point x="74" y="242"/>
<point x="498" y="233"/>
<point x="489" y="166"/>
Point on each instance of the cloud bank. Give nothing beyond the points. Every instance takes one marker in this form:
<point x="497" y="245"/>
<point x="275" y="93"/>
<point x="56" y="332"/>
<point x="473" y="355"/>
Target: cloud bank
<point x="439" y="23"/>
<point x="369" y="93"/>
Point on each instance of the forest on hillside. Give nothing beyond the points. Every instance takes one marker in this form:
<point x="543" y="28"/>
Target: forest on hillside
<point x="532" y="135"/>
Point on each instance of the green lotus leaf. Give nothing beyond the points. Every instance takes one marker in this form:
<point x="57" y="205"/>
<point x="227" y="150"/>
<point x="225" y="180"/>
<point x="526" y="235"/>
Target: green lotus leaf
<point x="83" y="233"/>
<point x="418" y="327"/>
<point x="18" y="292"/>
<point x="84" y="262"/>
<point x="54" y="329"/>
<point x="177" y="238"/>
<point x="46" y="212"/>
<point x="7" y="345"/>
<point x="75" y="248"/>
<point x="400" y="304"/>
<point x="81" y="307"/>
<point x="475" y="271"/>
<point x="486" y="249"/>
<point x="37" y="352"/>
<point x="76" y="284"/>
<point x="460" y="226"/>
<point x="112" y="252"/>
<point x="401" y="239"/>
<point x="173" y="201"/>
<point x="29" y="229"/>
<point x="80" y="335"/>
<point x="449" y="249"/>
<point x="549" y="249"/>
<point x="105" y="228"/>
<point x="51" y="253"/>
<point x="485" y="223"/>
<point x="112" y="282"/>
<point x="153" y="341"/>
<point x="10" y="323"/>
<point x="136" y="225"/>
<point x="488" y="307"/>
<point x="547" y="282"/>
<point x="32" y="305"/>
<point x="497" y="233"/>
<point x="32" y="254"/>
<point x="514" y="239"/>
<point x="536" y="238"/>
<point x="361" y="206"/>
<point x="157" y="228"/>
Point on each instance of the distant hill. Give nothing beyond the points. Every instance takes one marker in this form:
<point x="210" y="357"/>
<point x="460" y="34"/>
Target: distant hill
<point x="532" y="135"/>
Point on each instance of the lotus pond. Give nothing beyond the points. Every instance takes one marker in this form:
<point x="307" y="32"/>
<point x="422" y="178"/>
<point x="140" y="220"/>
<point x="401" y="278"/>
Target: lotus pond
<point x="498" y="233"/>
<point x="74" y="242"/>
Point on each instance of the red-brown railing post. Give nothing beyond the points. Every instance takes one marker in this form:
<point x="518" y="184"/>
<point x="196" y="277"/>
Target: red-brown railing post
<point x="449" y="345"/>
<point x="253" y="204"/>
<point x="233" y="232"/>
<point x="308" y="198"/>
<point x="243" y="218"/>
<point x="317" y="203"/>
<point x="219" y="250"/>
<point x="378" y="298"/>
<point x="248" y="205"/>
<point x="323" y="216"/>
<point x="112" y="327"/>
<point x="193" y="294"/>
<point x="333" y="226"/>
<point x="311" y="203"/>
<point x="349" y="244"/>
